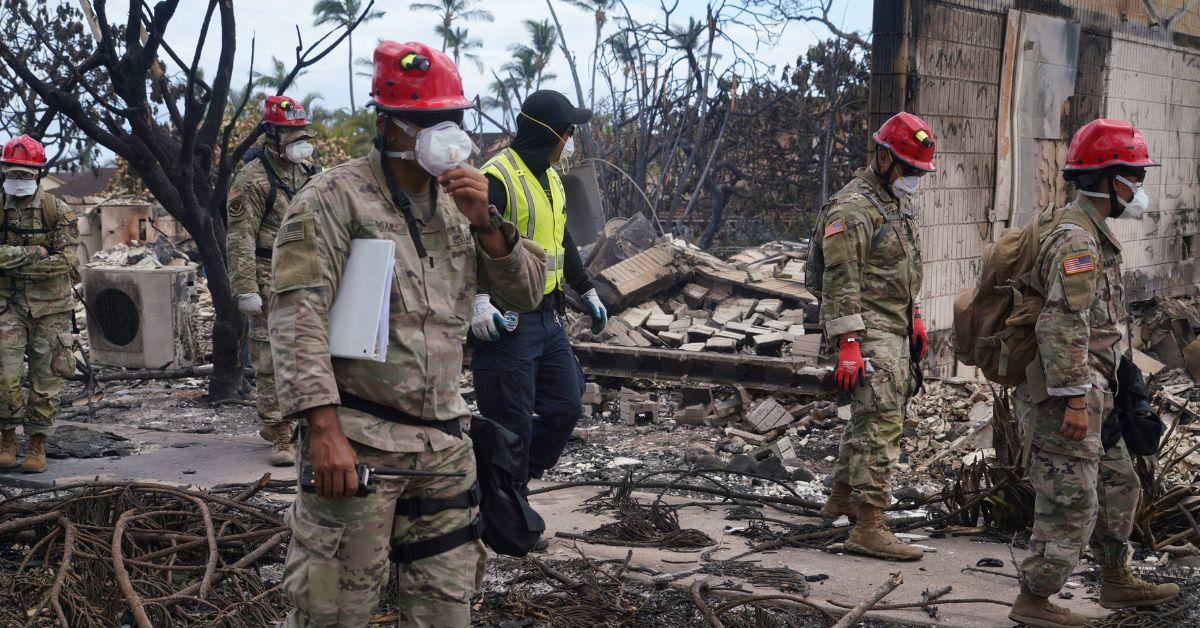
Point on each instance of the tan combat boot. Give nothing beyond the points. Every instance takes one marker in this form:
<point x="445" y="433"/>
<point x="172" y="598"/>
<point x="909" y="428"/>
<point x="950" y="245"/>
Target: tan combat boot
<point x="1032" y="610"/>
<point x="8" y="449"/>
<point x="871" y="537"/>
<point x="283" y="453"/>
<point x="35" y="454"/>
<point x="839" y="503"/>
<point x="1119" y="588"/>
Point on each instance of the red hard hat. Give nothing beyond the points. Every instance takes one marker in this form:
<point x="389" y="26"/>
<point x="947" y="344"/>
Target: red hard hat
<point x="284" y="111"/>
<point x="909" y="139"/>
<point x="415" y="77"/>
<point x="24" y="151"/>
<point x="1103" y="143"/>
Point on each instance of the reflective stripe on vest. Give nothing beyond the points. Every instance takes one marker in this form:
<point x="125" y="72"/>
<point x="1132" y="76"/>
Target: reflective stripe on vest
<point x="546" y="223"/>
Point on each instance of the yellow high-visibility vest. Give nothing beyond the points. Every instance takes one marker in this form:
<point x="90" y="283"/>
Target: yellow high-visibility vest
<point x="539" y="218"/>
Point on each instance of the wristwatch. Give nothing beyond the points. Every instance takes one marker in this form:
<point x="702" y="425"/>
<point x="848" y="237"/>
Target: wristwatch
<point x="495" y="222"/>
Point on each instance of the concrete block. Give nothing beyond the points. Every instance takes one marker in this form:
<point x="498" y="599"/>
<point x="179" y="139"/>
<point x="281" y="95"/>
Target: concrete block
<point x="673" y="338"/>
<point x="749" y="437"/>
<point x="769" y="344"/>
<point x="692" y="415"/>
<point x="635" y="316"/>
<point x="768" y="415"/>
<point x="700" y="333"/>
<point x="692" y="346"/>
<point x="735" y="336"/>
<point x="659" y="322"/>
<point x="792" y="315"/>
<point x="769" y="307"/>
<point x="693" y="295"/>
<point x="639" y="412"/>
<point x="721" y="345"/>
<point x="680" y="324"/>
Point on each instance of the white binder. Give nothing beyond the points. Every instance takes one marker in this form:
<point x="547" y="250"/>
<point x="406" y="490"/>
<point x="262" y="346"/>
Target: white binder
<point x="358" y="320"/>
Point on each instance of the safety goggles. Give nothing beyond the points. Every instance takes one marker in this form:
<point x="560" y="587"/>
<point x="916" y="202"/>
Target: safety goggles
<point x="20" y="174"/>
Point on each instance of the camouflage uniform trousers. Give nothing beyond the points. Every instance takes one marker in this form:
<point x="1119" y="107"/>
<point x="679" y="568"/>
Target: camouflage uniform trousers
<point x="870" y="445"/>
<point x="259" y="339"/>
<point x="1079" y="498"/>
<point x="337" y="562"/>
<point x="48" y="341"/>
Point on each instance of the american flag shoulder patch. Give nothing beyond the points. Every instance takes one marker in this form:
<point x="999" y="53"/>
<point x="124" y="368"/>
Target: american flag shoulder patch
<point x="1079" y="263"/>
<point x="291" y="232"/>
<point x="834" y="228"/>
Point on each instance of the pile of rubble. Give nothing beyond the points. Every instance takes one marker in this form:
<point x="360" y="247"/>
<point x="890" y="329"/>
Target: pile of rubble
<point x="668" y="294"/>
<point x="134" y="254"/>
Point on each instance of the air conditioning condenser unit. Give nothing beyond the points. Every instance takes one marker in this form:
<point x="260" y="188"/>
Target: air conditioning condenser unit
<point x="141" y="317"/>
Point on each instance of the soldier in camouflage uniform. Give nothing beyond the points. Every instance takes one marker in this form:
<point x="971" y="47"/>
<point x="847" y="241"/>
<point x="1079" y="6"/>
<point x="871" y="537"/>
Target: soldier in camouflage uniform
<point x="406" y="412"/>
<point x="38" y="240"/>
<point x="870" y="241"/>
<point x="258" y="197"/>
<point x="1083" y="491"/>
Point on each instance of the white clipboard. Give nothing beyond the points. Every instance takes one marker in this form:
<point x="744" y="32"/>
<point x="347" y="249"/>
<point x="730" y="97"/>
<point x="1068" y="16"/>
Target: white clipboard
<point x="358" y="320"/>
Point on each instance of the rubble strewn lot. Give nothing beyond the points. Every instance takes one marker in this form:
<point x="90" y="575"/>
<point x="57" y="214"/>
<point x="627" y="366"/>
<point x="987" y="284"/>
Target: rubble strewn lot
<point x="686" y="497"/>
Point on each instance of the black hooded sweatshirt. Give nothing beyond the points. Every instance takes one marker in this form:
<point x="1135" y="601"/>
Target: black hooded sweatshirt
<point x="533" y="144"/>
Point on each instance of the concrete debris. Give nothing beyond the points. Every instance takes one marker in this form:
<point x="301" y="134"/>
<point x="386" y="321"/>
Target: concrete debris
<point x="155" y="254"/>
<point x="1168" y="329"/>
<point x="768" y="415"/>
<point x="668" y="294"/>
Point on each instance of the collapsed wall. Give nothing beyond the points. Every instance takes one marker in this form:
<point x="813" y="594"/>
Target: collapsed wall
<point x="1005" y="84"/>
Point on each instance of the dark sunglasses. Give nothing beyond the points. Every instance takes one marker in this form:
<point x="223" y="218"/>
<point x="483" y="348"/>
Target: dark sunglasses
<point x="570" y="130"/>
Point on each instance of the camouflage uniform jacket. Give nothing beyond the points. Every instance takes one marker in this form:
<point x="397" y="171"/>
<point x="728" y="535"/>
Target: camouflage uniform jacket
<point x="1079" y="328"/>
<point x="430" y="303"/>
<point x="252" y="225"/>
<point x="872" y="247"/>
<point x="43" y="286"/>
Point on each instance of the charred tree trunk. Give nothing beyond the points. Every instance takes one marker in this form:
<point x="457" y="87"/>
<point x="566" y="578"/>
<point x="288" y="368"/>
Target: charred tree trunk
<point x="174" y="134"/>
<point x="720" y="193"/>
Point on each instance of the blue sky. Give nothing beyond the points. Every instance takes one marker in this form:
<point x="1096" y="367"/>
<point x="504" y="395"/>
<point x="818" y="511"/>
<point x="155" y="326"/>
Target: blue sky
<point x="273" y="23"/>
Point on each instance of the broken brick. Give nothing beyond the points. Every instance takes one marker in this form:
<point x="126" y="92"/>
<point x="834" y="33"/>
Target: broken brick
<point x="768" y="415"/>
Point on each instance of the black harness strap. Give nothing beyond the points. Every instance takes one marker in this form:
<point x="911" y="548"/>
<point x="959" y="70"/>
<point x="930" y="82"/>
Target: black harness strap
<point x="405" y="205"/>
<point x="424" y="506"/>
<point x="275" y="182"/>
<point x="452" y="427"/>
<point x="412" y="552"/>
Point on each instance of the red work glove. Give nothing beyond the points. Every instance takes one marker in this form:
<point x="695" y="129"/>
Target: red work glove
<point x="851" y="368"/>
<point x="920" y="338"/>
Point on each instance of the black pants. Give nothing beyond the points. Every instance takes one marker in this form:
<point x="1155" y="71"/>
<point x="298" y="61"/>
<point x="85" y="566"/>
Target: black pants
<point x="531" y="371"/>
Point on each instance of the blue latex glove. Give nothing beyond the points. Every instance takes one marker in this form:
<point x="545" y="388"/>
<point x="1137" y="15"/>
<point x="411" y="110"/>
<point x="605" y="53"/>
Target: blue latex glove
<point x="486" y="320"/>
<point x="596" y="310"/>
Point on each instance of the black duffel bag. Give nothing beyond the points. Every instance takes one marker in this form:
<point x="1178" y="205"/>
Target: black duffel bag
<point x="1132" y="418"/>
<point x="510" y="525"/>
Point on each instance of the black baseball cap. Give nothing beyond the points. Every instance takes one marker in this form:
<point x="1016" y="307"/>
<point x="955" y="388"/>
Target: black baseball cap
<point x="554" y="110"/>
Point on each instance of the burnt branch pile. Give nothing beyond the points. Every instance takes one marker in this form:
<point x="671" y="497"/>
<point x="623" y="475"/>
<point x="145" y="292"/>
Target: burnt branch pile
<point x="106" y="554"/>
